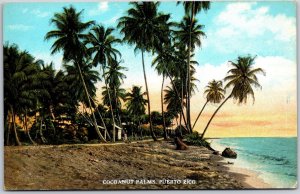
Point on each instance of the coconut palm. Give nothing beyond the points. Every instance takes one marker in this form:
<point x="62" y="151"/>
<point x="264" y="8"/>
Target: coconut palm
<point x="189" y="33"/>
<point x="102" y="47"/>
<point x="135" y="103"/>
<point x="164" y="64"/>
<point x="115" y="77"/>
<point x="241" y="78"/>
<point x="68" y="35"/>
<point x="90" y="77"/>
<point x="214" y="94"/>
<point x="22" y="83"/>
<point x="145" y="28"/>
<point x="173" y="102"/>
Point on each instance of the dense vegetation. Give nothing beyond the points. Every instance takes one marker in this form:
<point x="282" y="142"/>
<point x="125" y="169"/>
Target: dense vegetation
<point x="46" y="106"/>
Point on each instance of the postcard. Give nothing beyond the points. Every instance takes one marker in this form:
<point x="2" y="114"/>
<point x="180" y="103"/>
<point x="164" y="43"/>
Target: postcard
<point x="163" y="95"/>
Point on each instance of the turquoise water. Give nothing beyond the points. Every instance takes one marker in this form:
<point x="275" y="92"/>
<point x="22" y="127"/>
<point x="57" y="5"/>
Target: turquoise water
<point x="274" y="159"/>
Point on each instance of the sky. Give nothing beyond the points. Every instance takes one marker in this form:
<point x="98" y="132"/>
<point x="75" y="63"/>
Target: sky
<point x="266" y="30"/>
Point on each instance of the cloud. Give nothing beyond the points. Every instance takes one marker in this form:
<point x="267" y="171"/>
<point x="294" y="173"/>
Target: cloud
<point x="113" y="19"/>
<point x="101" y="8"/>
<point x="40" y="13"/>
<point x="47" y="58"/>
<point x="245" y="27"/>
<point x="20" y="27"/>
<point x="244" y="18"/>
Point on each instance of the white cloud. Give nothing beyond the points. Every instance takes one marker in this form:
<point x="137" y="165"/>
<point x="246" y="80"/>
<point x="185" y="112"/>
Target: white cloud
<point x="244" y="27"/>
<point x="48" y="58"/>
<point x="281" y="73"/>
<point x="280" y="79"/>
<point x="101" y="8"/>
<point x="40" y="13"/>
<point x="246" y="20"/>
<point x="113" y="20"/>
<point x="19" y="27"/>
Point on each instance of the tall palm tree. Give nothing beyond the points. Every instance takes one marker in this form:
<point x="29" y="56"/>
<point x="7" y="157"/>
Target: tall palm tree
<point x="241" y="78"/>
<point x="136" y="103"/>
<point x="190" y="34"/>
<point x="164" y="64"/>
<point x="102" y="47"/>
<point x="90" y="77"/>
<point x="115" y="77"/>
<point x="22" y="83"/>
<point x="214" y="94"/>
<point x="146" y="28"/>
<point x="172" y="101"/>
<point x="68" y="35"/>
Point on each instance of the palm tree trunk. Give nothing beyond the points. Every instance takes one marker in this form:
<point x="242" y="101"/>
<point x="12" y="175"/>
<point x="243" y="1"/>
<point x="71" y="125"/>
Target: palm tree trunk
<point x="148" y="98"/>
<point x="90" y="104"/>
<point x="41" y="132"/>
<point x="110" y="106"/>
<point x="8" y="131"/>
<point x="188" y="84"/>
<point x="106" y="132"/>
<point x="199" y="114"/>
<point x="14" y="127"/>
<point x="26" y="129"/>
<point x="102" y="120"/>
<point x="162" y="107"/>
<point x="214" y="116"/>
<point x="177" y="93"/>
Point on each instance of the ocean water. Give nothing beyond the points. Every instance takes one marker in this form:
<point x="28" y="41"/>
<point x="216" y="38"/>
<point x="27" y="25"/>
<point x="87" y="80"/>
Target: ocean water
<point x="274" y="159"/>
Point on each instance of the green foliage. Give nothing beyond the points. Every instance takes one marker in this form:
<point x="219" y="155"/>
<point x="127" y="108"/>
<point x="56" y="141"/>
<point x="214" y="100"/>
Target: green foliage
<point x="195" y="139"/>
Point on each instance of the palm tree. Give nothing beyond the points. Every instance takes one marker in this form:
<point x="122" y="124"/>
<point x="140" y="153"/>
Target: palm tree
<point x="173" y="102"/>
<point x="242" y="78"/>
<point x="69" y="36"/>
<point x="102" y="46"/>
<point x="22" y="80"/>
<point x="136" y="103"/>
<point x="146" y="28"/>
<point x="90" y="77"/>
<point x="190" y="34"/>
<point x="164" y="64"/>
<point x="115" y="78"/>
<point x="214" y="94"/>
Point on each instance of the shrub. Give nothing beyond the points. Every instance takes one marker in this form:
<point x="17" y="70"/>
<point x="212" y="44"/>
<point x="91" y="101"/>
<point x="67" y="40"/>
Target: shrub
<point x="195" y="139"/>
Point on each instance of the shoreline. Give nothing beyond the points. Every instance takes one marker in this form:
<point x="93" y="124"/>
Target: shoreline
<point x="87" y="166"/>
<point x="249" y="178"/>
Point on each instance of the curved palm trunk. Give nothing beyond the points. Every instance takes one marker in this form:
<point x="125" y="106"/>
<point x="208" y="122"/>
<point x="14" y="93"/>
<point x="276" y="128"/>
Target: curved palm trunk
<point x="8" y="132"/>
<point x="90" y="104"/>
<point x="177" y="93"/>
<point x="41" y="132"/>
<point x="214" y="116"/>
<point x="6" y="128"/>
<point x="148" y="98"/>
<point x="106" y="132"/>
<point x="102" y="120"/>
<point x="27" y="131"/>
<point x="199" y="114"/>
<point x="162" y="107"/>
<point x="110" y="106"/>
<point x="14" y="127"/>
<point x="117" y="109"/>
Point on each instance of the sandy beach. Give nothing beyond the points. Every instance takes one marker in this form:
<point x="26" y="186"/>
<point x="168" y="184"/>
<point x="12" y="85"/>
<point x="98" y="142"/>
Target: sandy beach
<point x="143" y="165"/>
